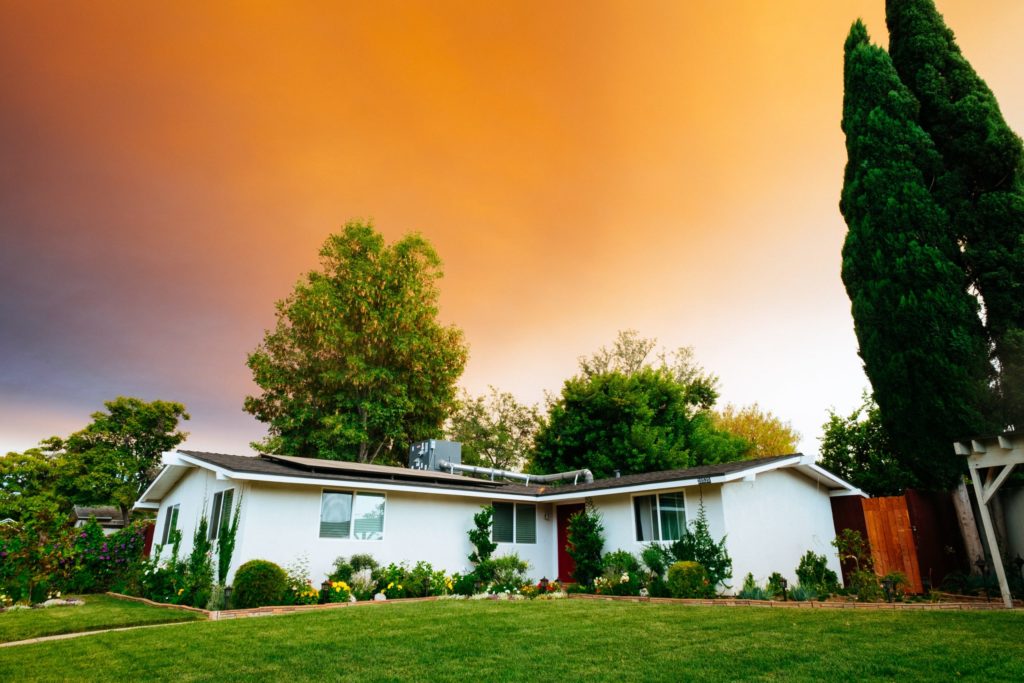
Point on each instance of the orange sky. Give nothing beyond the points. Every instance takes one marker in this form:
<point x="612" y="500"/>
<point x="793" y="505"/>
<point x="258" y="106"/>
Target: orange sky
<point x="168" y="170"/>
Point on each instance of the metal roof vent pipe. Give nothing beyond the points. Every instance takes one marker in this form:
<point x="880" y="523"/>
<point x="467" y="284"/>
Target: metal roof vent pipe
<point x="574" y="475"/>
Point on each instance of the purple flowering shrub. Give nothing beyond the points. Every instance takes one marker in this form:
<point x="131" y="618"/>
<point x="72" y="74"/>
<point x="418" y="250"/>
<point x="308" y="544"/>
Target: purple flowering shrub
<point x="40" y="556"/>
<point x="102" y="563"/>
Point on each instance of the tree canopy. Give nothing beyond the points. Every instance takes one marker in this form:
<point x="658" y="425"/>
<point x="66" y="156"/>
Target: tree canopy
<point x="358" y="365"/>
<point x="115" y="457"/>
<point x="856" y="447"/>
<point x="495" y="430"/>
<point x="919" y="333"/>
<point x="982" y="184"/>
<point x="767" y="434"/>
<point x="624" y="413"/>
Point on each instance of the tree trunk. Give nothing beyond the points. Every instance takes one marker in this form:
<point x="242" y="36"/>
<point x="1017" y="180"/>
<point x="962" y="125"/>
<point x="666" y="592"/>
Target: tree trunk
<point x="968" y="527"/>
<point x="995" y="510"/>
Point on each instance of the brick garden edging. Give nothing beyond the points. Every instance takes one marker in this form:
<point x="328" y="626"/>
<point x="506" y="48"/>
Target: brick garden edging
<point x="270" y="610"/>
<point x="293" y="609"/>
<point x="807" y="604"/>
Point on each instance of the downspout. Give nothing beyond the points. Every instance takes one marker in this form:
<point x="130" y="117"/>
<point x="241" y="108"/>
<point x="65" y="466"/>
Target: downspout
<point x="574" y="475"/>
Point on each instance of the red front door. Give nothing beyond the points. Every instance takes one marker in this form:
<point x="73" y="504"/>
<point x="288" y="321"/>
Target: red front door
<point x="566" y="566"/>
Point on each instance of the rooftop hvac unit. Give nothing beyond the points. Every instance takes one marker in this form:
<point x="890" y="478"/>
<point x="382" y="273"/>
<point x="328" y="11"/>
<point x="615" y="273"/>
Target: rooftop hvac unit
<point x="428" y="455"/>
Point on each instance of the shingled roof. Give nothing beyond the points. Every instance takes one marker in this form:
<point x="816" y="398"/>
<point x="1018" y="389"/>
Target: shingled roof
<point x="311" y="468"/>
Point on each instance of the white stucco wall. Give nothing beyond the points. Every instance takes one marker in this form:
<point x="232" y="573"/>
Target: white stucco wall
<point x="620" y="527"/>
<point x="769" y="523"/>
<point x="194" y="493"/>
<point x="281" y="523"/>
<point x="772" y="521"/>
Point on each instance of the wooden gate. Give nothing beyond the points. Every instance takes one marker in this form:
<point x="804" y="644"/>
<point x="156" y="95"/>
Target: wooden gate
<point x="892" y="539"/>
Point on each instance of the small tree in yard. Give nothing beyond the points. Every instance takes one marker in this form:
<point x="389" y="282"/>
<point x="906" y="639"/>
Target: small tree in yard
<point x="697" y="545"/>
<point x="586" y="543"/>
<point x="483" y="546"/>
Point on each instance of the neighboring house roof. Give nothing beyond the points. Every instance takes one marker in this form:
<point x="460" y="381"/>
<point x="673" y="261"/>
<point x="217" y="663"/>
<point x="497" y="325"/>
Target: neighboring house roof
<point x="106" y="516"/>
<point x="318" y="472"/>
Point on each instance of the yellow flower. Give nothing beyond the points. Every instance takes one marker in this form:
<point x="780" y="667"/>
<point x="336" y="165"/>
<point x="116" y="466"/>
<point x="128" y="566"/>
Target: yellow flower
<point x="180" y="591"/>
<point x="391" y="584"/>
<point x="399" y="586"/>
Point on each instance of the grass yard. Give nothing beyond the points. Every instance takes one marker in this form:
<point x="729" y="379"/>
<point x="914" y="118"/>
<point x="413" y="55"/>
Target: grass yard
<point x="566" y="640"/>
<point x="98" y="612"/>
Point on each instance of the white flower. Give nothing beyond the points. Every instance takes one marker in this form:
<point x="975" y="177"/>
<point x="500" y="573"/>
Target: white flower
<point x="624" y="578"/>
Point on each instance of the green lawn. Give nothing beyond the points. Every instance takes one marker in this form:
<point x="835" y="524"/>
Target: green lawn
<point x="98" y="612"/>
<point x="569" y="640"/>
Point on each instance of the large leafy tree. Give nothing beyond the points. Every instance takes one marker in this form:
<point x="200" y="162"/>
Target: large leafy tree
<point x="115" y="457"/>
<point x="982" y="187"/>
<point x="622" y="412"/>
<point x="495" y="430"/>
<point x="358" y="365"/>
<point x="856" y="447"/>
<point x="28" y="482"/>
<point x="766" y="433"/>
<point x="920" y="336"/>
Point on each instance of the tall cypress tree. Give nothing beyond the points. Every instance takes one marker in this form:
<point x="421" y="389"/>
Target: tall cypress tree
<point x="920" y="337"/>
<point x="983" y="186"/>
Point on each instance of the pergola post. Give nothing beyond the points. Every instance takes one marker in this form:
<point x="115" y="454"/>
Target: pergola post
<point x="1003" y="452"/>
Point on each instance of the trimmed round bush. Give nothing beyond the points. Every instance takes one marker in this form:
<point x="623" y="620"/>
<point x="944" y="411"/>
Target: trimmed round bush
<point x="258" y="583"/>
<point x="688" y="580"/>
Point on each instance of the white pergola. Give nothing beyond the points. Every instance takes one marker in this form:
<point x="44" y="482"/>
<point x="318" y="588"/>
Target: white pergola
<point x="997" y="455"/>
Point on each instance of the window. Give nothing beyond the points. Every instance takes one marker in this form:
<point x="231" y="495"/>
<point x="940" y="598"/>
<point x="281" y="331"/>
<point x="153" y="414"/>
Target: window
<point x="514" y="521"/>
<point x="220" y="516"/>
<point x="170" y="523"/>
<point x="661" y="517"/>
<point x="347" y="514"/>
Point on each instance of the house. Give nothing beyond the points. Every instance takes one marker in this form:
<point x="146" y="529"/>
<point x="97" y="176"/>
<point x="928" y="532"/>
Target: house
<point x="771" y="510"/>
<point x="109" y="518"/>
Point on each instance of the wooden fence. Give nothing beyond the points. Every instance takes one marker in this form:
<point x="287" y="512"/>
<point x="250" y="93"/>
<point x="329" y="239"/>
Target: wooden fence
<point x="891" y="535"/>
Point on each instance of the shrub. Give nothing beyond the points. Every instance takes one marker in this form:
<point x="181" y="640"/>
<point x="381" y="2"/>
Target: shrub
<point x="361" y="561"/>
<point x="697" y="545"/>
<point x="802" y="593"/>
<point x="392" y="580"/>
<point x="620" y="561"/>
<point x="774" y="587"/>
<point x="616" y="582"/>
<point x="483" y="546"/>
<point x="657" y="558"/>
<point x="362" y="584"/>
<point x="339" y="591"/>
<point x="813" y="573"/>
<point x="342" y="570"/>
<point x="198" y="576"/>
<point x="688" y="579"/>
<point x="464" y="584"/>
<point x="586" y="541"/>
<point x="509" y="573"/>
<point x="752" y="591"/>
<point x="258" y="583"/>
<point x="300" y="589"/>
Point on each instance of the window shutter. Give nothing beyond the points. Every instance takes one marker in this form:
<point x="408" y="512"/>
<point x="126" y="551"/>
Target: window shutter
<point x="526" y="523"/>
<point x="502" y="530"/>
<point x="225" y="510"/>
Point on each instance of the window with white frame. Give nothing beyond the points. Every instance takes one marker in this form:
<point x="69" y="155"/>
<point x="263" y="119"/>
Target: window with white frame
<point x="659" y="517"/>
<point x="220" y="515"/>
<point x="516" y="521"/>
<point x="170" y="523"/>
<point x="352" y="514"/>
